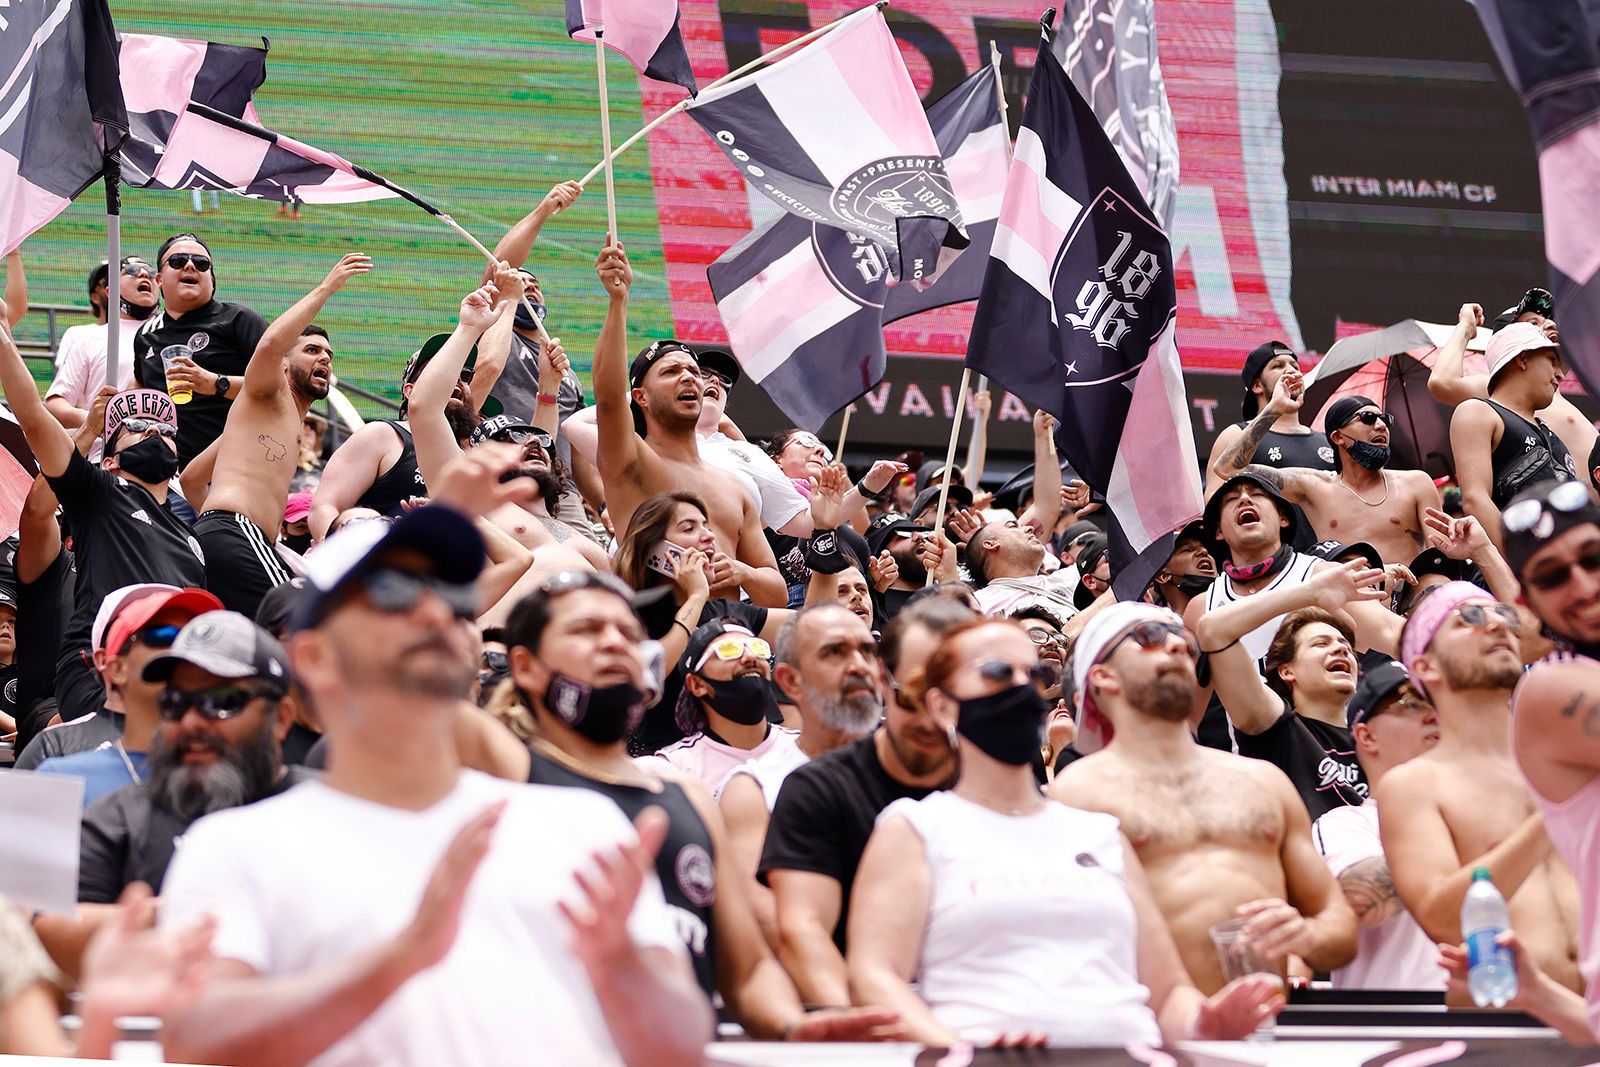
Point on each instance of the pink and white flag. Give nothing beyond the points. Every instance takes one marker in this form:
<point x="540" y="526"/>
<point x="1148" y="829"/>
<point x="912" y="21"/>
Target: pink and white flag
<point x="645" y="32"/>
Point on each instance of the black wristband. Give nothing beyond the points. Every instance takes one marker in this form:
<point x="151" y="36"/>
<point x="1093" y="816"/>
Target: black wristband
<point x="878" y="497"/>
<point x="824" y="554"/>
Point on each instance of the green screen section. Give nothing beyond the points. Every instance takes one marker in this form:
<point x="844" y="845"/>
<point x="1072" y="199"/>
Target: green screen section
<point x="476" y="106"/>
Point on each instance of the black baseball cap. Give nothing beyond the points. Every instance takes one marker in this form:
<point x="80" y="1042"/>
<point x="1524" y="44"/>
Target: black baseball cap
<point x="1377" y="684"/>
<point x="1213" y="512"/>
<point x="490" y="428"/>
<point x="720" y="361"/>
<point x="1332" y="550"/>
<point x="960" y="497"/>
<point x="887" y="527"/>
<point x="429" y="349"/>
<point x="1254" y="364"/>
<point x="1537" y="515"/>
<point x="653" y="351"/>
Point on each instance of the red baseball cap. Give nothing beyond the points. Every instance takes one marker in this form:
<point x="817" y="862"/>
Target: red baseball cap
<point x="136" y="611"/>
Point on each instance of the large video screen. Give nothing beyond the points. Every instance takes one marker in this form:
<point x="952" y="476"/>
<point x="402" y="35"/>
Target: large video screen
<point x="1343" y="165"/>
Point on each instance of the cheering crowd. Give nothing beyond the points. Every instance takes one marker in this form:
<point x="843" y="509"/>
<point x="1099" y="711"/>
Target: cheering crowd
<point x="519" y="726"/>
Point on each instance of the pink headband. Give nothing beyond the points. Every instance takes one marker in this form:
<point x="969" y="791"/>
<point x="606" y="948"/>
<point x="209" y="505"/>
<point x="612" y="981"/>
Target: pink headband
<point x="1429" y="616"/>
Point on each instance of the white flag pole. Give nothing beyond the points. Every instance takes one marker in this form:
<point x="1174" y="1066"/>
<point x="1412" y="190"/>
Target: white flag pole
<point x="538" y="323"/>
<point x="980" y="424"/>
<point x="950" y="456"/>
<point x="844" y="431"/>
<point x="682" y="105"/>
<point x="605" y="133"/>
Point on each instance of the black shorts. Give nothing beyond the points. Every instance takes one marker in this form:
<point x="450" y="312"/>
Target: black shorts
<point x="241" y="564"/>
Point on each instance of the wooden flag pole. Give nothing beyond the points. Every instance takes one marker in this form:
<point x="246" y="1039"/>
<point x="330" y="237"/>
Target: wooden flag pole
<point x="683" y="105"/>
<point x="538" y="323"/>
<point x="605" y="133"/>
<point x="844" y="431"/>
<point x="950" y="456"/>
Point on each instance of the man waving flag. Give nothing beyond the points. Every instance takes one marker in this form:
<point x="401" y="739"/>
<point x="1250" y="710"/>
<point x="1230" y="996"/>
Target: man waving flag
<point x="1078" y="316"/>
<point x="61" y="108"/>
<point x="835" y="133"/>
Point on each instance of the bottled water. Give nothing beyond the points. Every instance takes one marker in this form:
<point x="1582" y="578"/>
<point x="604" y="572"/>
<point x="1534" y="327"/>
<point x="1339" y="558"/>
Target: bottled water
<point x="1491" y="968"/>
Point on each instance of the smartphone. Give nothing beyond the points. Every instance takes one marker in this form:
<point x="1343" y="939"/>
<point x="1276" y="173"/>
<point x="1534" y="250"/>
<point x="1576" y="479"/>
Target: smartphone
<point x="665" y="559"/>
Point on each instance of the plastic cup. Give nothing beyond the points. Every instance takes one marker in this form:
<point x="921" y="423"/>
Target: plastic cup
<point x="1240" y="958"/>
<point x="181" y="392"/>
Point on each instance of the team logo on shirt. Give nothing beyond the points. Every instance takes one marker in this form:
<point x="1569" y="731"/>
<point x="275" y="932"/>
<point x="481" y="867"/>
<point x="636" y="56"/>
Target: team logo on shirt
<point x="194" y="546"/>
<point x="696" y="876"/>
<point x="11" y="691"/>
<point x="1275" y="454"/>
<point x="199" y="341"/>
<point x="1325" y="453"/>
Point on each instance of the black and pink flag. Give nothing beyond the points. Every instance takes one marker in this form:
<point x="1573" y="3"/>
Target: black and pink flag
<point x="211" y="150"/>
<point x="644" y="32"/>
<point x="1550" y="50"/>
<point x="61" y="108"/>
<point x="835" y="134"/>
<point x="161" y="76"/>
<point x="1079" y="317"/>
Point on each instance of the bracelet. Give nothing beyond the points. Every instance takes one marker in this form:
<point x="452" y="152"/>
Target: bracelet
<point x="878" y="497"/>
<point x="545" y="398"/>
<point x="1224" y="648"/>
<point x="686" y="630"/>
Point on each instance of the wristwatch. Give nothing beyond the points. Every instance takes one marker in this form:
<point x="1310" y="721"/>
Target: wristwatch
<point x="222" y="385"/>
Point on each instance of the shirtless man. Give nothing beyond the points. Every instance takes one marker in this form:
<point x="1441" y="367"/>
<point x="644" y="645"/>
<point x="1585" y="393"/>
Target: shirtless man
<point x="1359" y="500"/>
<point x="1220" y="836"/>
<point x="555" y="545"/>
<point x="1464" y="804"/>
<point x="254" y="459"/>
<point x="648" y="444"/>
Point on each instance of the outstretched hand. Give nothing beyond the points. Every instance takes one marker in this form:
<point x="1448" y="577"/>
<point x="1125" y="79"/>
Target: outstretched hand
<point x="1461" y="538"/>
<point x="349" y="265"/>
<point x="827" y="498"/>
<point x="131" y="968"/>
<point x="427" y="939"/>
<point x="1347" y="583"/>
<point x="477" y="310"/>
<point x="474" y="483"/>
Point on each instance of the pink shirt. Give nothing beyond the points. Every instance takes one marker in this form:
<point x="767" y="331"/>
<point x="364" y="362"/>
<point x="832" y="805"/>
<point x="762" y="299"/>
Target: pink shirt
<point x="711" y="761"/>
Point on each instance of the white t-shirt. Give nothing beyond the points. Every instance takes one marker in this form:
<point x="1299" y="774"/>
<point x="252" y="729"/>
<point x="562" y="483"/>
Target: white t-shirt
<point x="1396" y="955"/>
<point x="769" y="770"/>
<point x="1053" y="591"/>
<point x="81" y="366"/>
<point x="314" y="876"/>
<point x="771" y="490"/>
<point x="711" y="761"/>
<point x="1030" y="926"/>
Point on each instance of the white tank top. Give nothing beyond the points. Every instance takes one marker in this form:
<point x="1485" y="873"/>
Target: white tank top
<point x="1257" y="641"/>
<point x="1030" y="926"/>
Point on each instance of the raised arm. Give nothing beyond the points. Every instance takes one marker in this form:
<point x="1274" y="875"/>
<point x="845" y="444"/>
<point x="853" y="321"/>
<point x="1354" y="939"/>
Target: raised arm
<point x="1446" y="382"/>
<point x="494" y="347"/>
<point x="51" y="445"/>
<point x="1046" y="507"/>
<point x="17" y="289"/>
<point x="1427" y="869"/>
<point x="1288" y="395"/>
<point x="263" y="375"/>
<point x="515" y="247"/>
<point x="553" y="367"/>
<point x="619" y="449"/>
<point x="1463" y="539"/>
<point x="435" y="442"/>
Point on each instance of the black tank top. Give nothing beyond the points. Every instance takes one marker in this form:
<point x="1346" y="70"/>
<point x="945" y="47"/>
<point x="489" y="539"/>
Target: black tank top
<point x="686" y="863"/>
<point x="400" y="482"/>
<point x="1516" y="439"/>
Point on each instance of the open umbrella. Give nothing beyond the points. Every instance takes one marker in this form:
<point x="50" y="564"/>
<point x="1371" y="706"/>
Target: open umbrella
<point x="1391" y="366"/>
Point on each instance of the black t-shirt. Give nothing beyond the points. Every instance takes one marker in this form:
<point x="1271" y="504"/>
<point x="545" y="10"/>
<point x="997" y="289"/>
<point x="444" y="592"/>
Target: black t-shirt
<point x="43" y="608"/>
<point x="125" y="838"/>
<point x="120" y="536"/>
<point x="824" y="814"/>
<point x="221" y="338"/>
<point x="297" y="745"/>
<point x="660" y="728"/>
<point x="83" y="734"/>
<point x="686" y="863"/>
<point x="1319" y="758"/>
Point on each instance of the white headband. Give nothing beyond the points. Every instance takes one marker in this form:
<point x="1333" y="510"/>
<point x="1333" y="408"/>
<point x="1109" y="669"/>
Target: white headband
<point x="1094" y="729"/>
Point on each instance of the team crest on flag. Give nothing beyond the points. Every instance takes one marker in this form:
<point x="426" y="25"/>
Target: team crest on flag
<point x="1119" y="300"/>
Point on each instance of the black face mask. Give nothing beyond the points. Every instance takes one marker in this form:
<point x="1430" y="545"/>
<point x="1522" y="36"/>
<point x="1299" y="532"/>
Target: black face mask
<point x="745" y="700"/>
<point x="524" y="321"/>
<point x="1192" y="585"/>
<point x="1007" y="726"/>
<point x="134" y="311"/>
<point x="150" y="461"/>
<point x="1372" y="457"/>
<point x="300" y="543"/>
<point x="604" y="715"/>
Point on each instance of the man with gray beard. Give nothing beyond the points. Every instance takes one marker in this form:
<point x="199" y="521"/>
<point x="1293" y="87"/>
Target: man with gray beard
<point x="827" y="663"/>
<point x="224" y="713"/>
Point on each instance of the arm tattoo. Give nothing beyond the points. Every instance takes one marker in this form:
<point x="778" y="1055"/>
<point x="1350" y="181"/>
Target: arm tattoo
<point x="1369" y="887"/>
<point x="1591" y="712"/>
<point x="1244" y="449"/>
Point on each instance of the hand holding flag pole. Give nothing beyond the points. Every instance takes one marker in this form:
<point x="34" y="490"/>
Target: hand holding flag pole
<point x="761" y="60"/>
<point x="950" y="456"/>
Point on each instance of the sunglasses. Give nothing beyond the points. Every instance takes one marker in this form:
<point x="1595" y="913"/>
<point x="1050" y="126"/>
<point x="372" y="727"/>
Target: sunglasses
<point x="522" y="437"/>
<point x="180" y="260"/>
<point x="1151" y="634"/>
<point x="1557" y="575"/>
<point x="216" y="704"/>
<point x="733" y="647"/>
<point x="805" y="440"/>
<point x="496" y="662"/>
<point x="1371" y="418"/>
<point x="138" y="268"/>
<point x="160" y="636"/>
<point x="397" y="592"/>
<point x="717" y="376"/>
<point x="1478" y="616"/>
<point x="164" y="429"/>
<point x="1524" y="515"/>
<point x="998" y="671"/>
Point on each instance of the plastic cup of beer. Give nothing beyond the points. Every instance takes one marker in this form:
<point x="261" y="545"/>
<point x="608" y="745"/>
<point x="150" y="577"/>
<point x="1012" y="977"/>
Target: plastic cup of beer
<point x="181" y="392"/>
<point x="1240" y="958"/>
